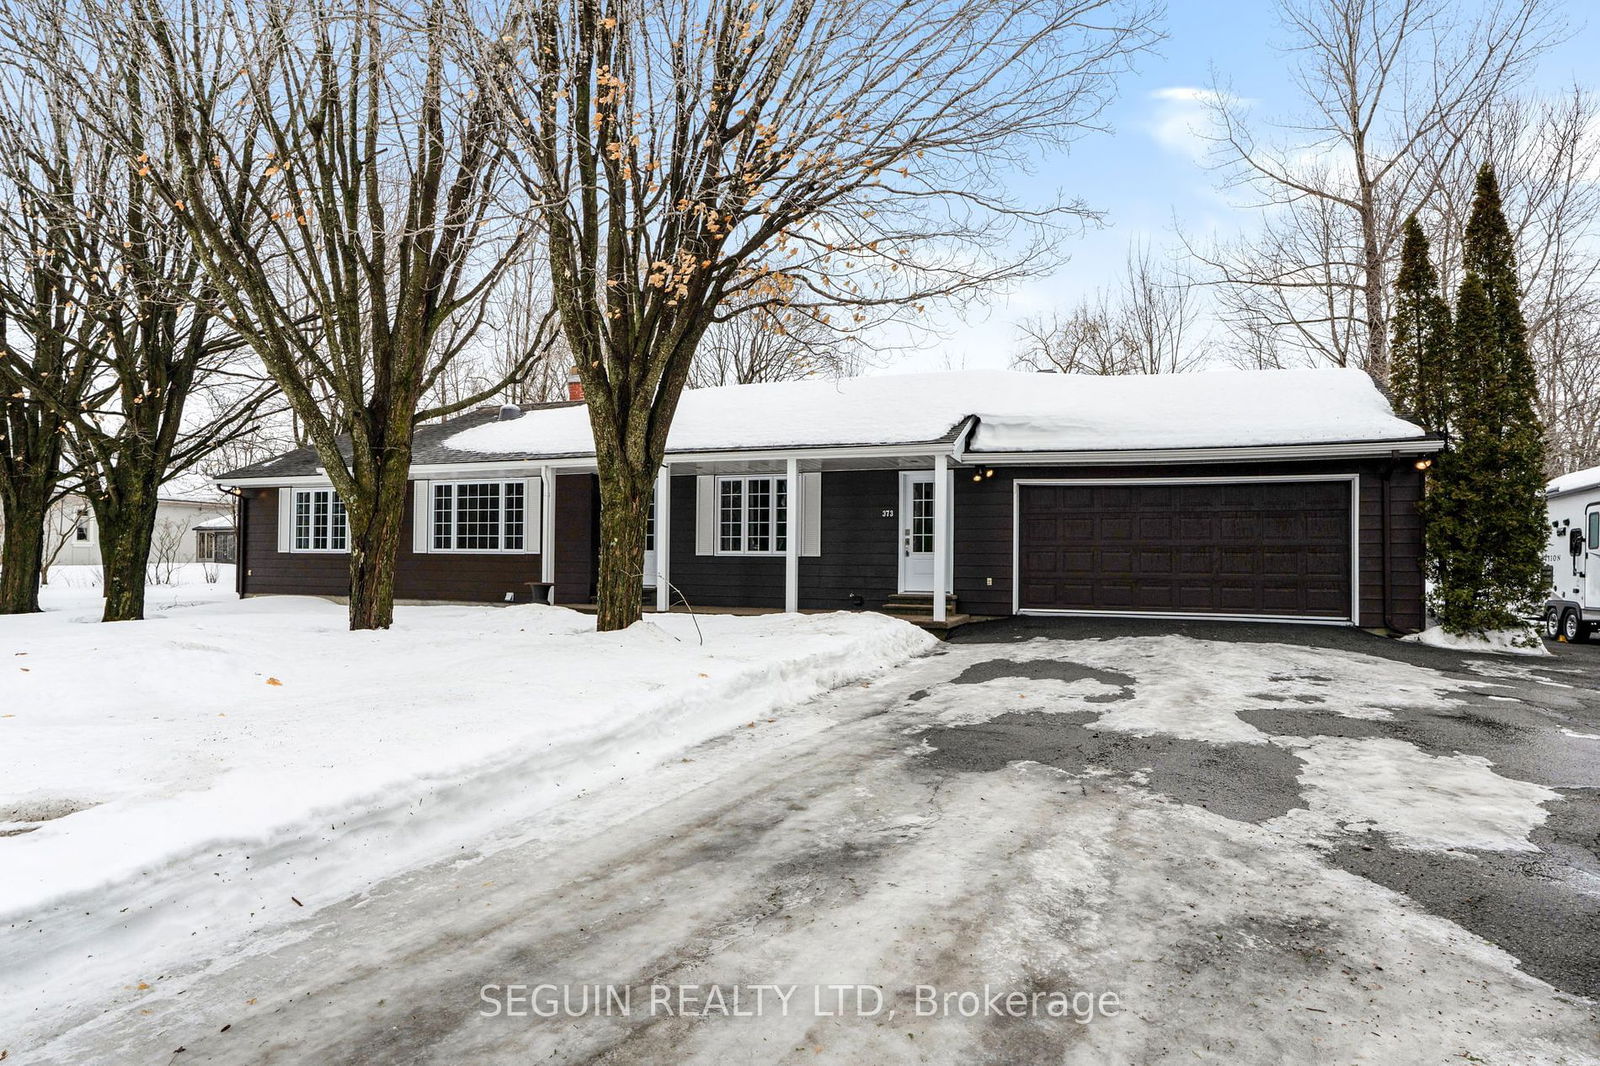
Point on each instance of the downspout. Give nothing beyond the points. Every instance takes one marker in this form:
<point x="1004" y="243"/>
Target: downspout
<point x="1387" y="481"/>
<point x="239" y="540"/>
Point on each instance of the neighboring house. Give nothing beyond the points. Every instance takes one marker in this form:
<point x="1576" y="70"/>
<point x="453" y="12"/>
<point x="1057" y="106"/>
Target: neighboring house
<point x="214" y="540"/>
<point x="186" y="504"/>
<point x="1285" y="494"/>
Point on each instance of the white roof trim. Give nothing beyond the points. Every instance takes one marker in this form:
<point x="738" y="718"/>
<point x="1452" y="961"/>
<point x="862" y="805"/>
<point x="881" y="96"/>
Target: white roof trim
<point x="1155" y="456"/>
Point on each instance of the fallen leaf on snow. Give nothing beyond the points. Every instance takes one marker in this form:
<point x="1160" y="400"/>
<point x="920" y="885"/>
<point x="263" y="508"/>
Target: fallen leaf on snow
<point x="273" y="681"/>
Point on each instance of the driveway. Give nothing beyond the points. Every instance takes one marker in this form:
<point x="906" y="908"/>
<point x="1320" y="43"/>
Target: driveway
<point x="1047" y="842"/>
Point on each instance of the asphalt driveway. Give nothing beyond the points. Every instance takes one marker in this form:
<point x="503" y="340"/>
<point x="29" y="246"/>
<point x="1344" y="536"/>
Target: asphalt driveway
<point x="1536" y="720"/>
<point x="1214" y="842"/>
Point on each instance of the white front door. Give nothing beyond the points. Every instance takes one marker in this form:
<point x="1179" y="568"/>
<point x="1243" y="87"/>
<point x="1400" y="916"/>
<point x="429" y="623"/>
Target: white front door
<point x="650" y="545"/>
<point x="916" y="531"/>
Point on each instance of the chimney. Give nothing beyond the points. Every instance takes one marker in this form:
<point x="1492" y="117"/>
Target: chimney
<point x="574" y="386"/>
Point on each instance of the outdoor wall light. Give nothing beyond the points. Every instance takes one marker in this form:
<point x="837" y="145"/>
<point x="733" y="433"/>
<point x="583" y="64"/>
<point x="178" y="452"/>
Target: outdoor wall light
<point x="1423" y="464"/>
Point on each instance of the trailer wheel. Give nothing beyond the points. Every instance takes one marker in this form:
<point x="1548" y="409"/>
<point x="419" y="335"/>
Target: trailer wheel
<point x="1572" y="627"/>
<point x="1552" y="623"/>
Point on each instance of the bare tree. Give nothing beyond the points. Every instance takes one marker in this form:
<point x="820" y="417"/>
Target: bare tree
<point x="836" y="160"/>
<point x="341" y="173"/>
<point x="143" y="326"/>
<point x="166" y="543"/>
<point x="1145" y="326"/>
<point x="1389" y="88"/>
<point x="46" y="338"/>
<point x="1084" y="340"/>
<point x="1546" y="152"/>
<point x="755" y="347"/>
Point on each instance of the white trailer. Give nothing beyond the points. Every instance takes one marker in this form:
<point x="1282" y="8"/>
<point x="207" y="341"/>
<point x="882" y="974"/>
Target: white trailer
<point x="1572" y="557"/>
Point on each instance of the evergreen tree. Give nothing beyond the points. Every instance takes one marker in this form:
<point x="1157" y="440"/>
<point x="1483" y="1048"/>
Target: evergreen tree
<point x="1419" y="349"/>
<point x="1485" y="510"/>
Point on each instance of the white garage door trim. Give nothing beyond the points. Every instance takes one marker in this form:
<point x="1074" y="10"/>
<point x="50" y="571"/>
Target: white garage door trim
<point x="1354" y="480"/>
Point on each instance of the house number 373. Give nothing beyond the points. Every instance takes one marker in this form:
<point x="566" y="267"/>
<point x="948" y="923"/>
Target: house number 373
<point x="888" y="512"/>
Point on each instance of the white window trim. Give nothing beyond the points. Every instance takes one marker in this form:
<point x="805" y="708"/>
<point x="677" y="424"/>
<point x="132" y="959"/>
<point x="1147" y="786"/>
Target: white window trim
<point x="294" y="509"/>
<point x="530" y="512"/>
<point x="744" y="514"/>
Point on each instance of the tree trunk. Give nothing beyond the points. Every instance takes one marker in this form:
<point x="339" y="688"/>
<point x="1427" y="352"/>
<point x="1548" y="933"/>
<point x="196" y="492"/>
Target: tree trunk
<point x="1373" y="284"/>
<point x="22" y="552"/>
<point x="127" y="526"/>
<point x="374" y="549"/>
<point x="624" y="511"/>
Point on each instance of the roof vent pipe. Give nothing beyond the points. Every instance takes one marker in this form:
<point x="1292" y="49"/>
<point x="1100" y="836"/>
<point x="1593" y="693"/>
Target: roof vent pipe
<point x="509" y="411"/>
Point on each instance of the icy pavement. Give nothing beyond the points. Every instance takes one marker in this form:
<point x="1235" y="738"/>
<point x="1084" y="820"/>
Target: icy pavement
<point x="1152" y="827"/>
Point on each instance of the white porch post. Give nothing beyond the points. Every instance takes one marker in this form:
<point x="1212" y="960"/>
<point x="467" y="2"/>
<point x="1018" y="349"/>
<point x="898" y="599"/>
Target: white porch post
<point x="941" y="544"/>
<point x="547" y="532"/>
<point x="663" y="535"/>
<point x="791" y="544"/>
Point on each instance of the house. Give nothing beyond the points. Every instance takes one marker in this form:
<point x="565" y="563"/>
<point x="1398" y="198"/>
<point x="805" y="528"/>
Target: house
<point x="72" y="536"/>
<point x="1283" y="494"/>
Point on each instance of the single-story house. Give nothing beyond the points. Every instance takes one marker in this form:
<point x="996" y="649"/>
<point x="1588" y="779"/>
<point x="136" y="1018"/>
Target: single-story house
<point x="186" y="503"/>
<point x="1280" y="494"/>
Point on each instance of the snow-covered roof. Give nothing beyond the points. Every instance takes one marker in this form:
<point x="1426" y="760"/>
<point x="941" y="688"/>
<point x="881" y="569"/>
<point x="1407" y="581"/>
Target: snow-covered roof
<point x="1578" y="479"/>
<point x="1015" y="412"/>
<point x="220" y="522"/>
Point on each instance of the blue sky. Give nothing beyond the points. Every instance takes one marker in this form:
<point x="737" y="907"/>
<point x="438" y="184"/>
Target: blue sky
<point x="1149" y="170"/>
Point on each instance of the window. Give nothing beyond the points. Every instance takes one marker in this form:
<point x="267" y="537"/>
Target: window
<point x="479" y="516"/>
<point x="320" y="524"/>
<point x="752" y="516"/>
<point x="922" y="516"/>
<point x="214" y="546"/>
<point x="1594" y="530"/>
<point x="81" y="532"/>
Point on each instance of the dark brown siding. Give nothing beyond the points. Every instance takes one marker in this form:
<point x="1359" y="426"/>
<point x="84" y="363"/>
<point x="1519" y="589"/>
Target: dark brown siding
<point x="858" y="565"/>
<point x="983" y="531"/>
<point x="443" y="576"/>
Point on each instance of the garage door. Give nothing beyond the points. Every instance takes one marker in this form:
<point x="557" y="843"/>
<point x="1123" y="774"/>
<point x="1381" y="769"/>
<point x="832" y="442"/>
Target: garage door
<point x="1243" y="548"/>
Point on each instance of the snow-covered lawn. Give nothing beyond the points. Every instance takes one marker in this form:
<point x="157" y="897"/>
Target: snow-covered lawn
<point x="228" y="764"/>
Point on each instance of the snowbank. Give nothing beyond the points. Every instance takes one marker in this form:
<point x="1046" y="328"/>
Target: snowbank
<point x="1502" y="641"/>
<point x="1058" y="412"/>
<point x="227" y="765"/>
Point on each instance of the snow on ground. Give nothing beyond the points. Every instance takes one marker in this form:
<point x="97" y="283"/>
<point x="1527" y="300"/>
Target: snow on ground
<point x="1419" y="801"/>
<point x="1068" y="412"/>
<point x="228" y="764"/>
<point x="1504" y="641"/>
<point x="1195" y="690"/>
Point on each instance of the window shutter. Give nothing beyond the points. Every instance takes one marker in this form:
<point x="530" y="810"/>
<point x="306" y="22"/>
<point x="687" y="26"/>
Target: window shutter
<point x="285" y="519"/>
<point x="532" y="515"/>
<point x="811" y="514"/>
<point x="421" y="516"/>
<point x="705" y="515"/>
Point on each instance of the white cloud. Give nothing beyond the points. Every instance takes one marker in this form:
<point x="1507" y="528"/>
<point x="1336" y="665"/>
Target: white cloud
<point x="1181" y="120"/>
